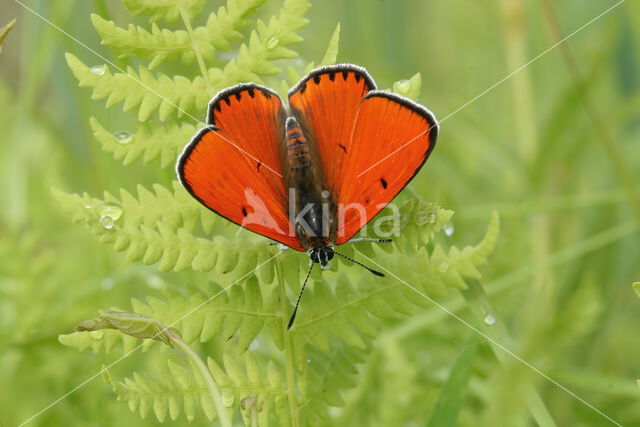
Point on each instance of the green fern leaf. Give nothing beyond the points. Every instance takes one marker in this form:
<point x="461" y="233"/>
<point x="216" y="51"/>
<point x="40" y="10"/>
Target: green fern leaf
<point x="169" y="10"/>
<point x="164" y="94"/>
<point x="141" y="89"/>
<point x="174" y="249"/>
<point x="149" y="141"/>
<point x="332" y="50"/>
<point x="409" y="88"/>
<point x="163" y="44"/>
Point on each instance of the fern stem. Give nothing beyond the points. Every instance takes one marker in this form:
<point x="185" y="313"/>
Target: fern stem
<point x="196" y="47"/>
<point x="200" y="366"/>
<point x="288" y="348"/>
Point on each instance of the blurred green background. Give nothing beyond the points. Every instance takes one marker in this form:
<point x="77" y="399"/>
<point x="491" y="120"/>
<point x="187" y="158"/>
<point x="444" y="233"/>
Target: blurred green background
<point x="554" y="149"/>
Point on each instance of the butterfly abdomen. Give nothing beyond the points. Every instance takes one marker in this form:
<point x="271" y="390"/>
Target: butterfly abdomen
<point x="297" y="146"/>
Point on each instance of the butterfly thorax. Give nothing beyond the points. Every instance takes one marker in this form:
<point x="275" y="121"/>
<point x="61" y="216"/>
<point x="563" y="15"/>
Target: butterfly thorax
<point x="311" y="206"/>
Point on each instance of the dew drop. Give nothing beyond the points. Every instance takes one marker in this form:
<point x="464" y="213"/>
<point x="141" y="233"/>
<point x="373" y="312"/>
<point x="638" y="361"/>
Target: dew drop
<point x="123" y="137"/>
<point x="308" y="360"/>
<point x="443" y="267"/>
<point x="107" y="284"/>
<point x="489" y="319"/>
<point x="155" y="282"/>
<point x="99" y="70"/>
<point x="106" y="221"/>
<point x="112" y="209"/>
<point x="190" y="417"/>
<point x="255" y="345"/>
<point x="423" y="218"/>
<point x="96" y="335"/>
<point x="272" y="42"/>
<point x="448" y="230"/>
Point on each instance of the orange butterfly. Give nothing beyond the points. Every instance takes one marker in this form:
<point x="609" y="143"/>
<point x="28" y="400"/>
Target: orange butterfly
<point x="301" y="174"/>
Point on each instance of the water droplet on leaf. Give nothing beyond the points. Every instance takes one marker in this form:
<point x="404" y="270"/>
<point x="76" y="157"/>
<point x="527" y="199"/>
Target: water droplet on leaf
<point x="443" y="267"/>
<point x="272" y="42"/>
<point x="99" y="70"/>
<point x="106" y="221"/>
<point x="107" y="284"/>
<point x="112" y="209"/>
<point x="489" y="319"/>
<point x="123" y="136"/>
<point x="96" y="335"/>
<point x="448" y="230"/>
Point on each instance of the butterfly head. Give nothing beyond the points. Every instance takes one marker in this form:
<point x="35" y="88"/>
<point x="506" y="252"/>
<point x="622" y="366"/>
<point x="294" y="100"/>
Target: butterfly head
<point x="321" y="255"/>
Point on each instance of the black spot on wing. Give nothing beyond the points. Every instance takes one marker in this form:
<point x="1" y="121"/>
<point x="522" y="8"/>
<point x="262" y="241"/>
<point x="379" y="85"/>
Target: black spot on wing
<point x="343" y="147"/>
<point x="244" y="211"/>
<point x="316" y="79"/>
<point x="384" y="184"/>
<point x="258" y="167"/>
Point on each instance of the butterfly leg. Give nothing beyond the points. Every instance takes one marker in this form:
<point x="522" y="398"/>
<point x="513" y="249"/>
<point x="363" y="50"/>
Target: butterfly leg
<point x="368" y="239"/>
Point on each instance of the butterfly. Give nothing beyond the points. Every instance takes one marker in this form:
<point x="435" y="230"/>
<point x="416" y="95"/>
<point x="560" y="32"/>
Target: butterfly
<point x="311" y="173"/>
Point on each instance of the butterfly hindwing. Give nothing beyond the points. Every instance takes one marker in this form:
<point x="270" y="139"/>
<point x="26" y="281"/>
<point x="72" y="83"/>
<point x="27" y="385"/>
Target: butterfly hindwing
<point x="233" y="166"/>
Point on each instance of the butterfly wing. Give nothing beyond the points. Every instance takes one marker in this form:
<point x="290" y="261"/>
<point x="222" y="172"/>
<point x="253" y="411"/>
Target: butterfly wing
<point x="233" y="166"/>
<point x="354" y="127"/>
<point x="326" y="103"/>
<point x="392" y="139"/>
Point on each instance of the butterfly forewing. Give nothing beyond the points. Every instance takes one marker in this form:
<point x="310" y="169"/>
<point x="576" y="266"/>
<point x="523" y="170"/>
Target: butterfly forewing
<point x="234" y="167"/>
<point x="326" y="103"/>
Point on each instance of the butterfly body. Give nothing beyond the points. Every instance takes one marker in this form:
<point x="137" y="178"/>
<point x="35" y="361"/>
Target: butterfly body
<point x="310" y="205"/>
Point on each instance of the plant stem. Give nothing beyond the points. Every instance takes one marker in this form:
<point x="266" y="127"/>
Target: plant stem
<point x="196" y="48"/>
<point x="600" y="126"/>
<point x="477" y="300"/>
<point x="200" y="366"/>
<point x="288" y="348"/>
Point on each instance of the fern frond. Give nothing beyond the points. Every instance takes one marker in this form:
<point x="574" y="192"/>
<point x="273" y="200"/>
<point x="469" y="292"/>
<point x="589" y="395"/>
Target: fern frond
<point x="169" y="393"/>
<point x="177" y="390"/>
<point x="164" y="94"/>
<point x="168" y="10"/>
<point x="156" y="93"/>
<point x="332" y="49"/>
<point x="173" y="248"/>
<point x="268" y="44"/>
<point x="149" y="141"/>
<point x="102" y="341"/>
<point x="163" y="44"/>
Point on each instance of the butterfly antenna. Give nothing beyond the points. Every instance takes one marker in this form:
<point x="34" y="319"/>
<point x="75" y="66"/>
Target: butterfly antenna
<point x="295" y="310"/>
<point x="377" y="273"/>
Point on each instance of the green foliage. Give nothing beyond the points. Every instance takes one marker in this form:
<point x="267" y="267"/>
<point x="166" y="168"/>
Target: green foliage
<point x="320" y="354"/>
<point x="363" y="350"/>
<point x="161" y="45"/>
